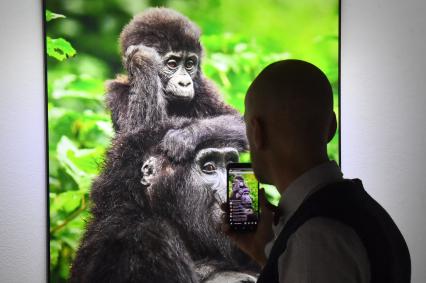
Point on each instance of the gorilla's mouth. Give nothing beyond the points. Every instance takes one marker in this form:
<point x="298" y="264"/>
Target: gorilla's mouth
<point x="184" y="95"/>
<point x="174" y="91"/>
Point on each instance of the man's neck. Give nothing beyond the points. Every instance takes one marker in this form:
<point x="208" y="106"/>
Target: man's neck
<point x="283" y="176"/>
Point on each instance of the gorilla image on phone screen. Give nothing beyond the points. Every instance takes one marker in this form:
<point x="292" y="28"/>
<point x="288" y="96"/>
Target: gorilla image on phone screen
<point x="243" y="202"/>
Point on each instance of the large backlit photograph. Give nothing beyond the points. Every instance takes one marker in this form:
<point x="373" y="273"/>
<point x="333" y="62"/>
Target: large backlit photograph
<point x="145" y="103"/>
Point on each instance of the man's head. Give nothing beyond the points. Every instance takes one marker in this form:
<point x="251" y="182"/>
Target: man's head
<point x="289" y="118"/>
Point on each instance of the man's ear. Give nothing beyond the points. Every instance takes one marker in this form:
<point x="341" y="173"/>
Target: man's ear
<point x="332" y="128"/>
<point x="149" y="170"/>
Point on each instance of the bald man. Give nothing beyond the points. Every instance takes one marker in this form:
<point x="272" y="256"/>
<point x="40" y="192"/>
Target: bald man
<point x="329" y="229"/>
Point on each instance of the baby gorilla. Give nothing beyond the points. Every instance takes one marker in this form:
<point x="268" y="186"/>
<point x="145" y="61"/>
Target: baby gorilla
<point x="154" y="218"/>
<point x="162" y="55"/>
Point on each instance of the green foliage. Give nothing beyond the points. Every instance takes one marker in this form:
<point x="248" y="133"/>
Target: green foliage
<point x="79" y="132"/>
<point x="239" y="37"/>
<point x="252" y="184"/>
<point x="244" y="157"/>
<point x="51" y="16"/>
<point x="59" y="48"/>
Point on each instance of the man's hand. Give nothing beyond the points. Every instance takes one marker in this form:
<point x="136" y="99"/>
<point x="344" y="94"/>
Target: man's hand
<point x="253" y="243"/>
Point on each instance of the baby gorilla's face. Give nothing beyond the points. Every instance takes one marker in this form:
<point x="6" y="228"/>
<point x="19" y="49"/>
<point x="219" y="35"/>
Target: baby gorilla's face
<point x="177" y="73"/>
<point x="209" y="169"/>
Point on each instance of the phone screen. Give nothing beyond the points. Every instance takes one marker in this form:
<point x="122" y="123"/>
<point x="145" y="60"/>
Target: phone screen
<point x="242" y="196"/>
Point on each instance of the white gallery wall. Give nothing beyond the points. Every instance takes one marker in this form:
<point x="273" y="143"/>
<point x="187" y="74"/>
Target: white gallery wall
<point x="22" y="144"/>
<point x="383" y="119"/>
<point x="384" y="111"/>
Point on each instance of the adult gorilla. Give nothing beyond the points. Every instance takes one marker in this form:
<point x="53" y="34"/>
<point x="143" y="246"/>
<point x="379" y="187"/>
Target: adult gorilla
<point x="162" y="55"/>
<point x="154" y="218"/>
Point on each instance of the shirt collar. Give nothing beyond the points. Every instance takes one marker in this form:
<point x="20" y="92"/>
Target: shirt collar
<point x="306" y="184"/>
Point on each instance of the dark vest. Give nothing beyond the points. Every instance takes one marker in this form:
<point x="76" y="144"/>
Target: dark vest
<point x="348" y="203"/>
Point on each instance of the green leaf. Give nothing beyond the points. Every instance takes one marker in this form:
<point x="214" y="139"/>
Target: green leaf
<point x="71" y="239"/>
<point x="81" y="164"/>
<point x="65" y="263"/>
<point x="51" y="16"/>
<point x="55" y="247"/>
<point x="67" y="201"/>
<point x="80" y="87"/>
<point x="59" y="48"/>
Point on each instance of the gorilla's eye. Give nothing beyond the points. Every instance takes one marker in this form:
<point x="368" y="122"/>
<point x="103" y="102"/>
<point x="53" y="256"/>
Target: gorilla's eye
<point x="190" y="64"/>
<point x="209" y="168"/>
<point x="172" y="63"/>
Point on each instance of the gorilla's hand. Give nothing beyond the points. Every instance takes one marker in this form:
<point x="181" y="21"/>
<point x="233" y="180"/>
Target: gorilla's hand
<point x="145" y="102"/>
<point x="177" y="144"/>
<point x="141" y="59"/>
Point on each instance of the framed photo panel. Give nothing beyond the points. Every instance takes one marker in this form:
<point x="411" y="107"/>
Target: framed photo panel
<point x="135" y="180"/>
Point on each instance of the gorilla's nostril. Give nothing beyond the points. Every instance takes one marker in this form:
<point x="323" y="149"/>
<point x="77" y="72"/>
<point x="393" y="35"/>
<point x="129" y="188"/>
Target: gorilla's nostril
<point x="184" y="83"/>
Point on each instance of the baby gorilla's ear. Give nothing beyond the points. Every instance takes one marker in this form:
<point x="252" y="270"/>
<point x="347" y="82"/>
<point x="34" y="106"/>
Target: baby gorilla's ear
<point x="149" y="170"/>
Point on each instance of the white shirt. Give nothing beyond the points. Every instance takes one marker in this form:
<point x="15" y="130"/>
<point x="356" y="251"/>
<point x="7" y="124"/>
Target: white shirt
<point x="321" y="250"/>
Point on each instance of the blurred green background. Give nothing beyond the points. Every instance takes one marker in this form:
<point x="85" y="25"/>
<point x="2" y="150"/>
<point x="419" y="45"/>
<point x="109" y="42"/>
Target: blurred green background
<point x="240" y="38"/>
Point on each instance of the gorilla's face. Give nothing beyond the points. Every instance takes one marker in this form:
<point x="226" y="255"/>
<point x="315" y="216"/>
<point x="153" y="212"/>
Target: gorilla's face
<point x="245" y="197"/>
<point x="209" y="168"/>
<point x="241" y="183"/>
<point x="189" y="194"/>
<point x="177" y="73"/>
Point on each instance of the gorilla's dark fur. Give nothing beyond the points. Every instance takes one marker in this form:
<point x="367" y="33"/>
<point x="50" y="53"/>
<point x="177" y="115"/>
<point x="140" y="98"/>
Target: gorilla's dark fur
<point x="140" y="99"/>
<point x="154" y="212"/>
<point x="164" y="232"/>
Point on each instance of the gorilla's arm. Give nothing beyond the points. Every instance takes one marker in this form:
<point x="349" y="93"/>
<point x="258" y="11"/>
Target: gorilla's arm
<point x="146" y="102"/>
<point x="117" y="99"/>
<point x="179" y="143"/>
<point x="207" y="102"/>
<point x="137" y="101"/>
<point x="118" y="250"/>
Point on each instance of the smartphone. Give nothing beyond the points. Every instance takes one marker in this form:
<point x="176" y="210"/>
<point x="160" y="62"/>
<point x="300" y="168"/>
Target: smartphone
<point x="242" y="197"/>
